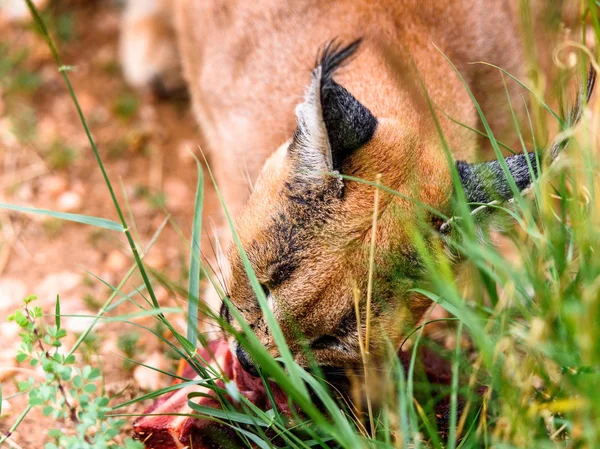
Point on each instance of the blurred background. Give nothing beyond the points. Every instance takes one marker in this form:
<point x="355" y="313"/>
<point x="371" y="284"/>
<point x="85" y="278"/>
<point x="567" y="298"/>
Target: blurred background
<point x="147" y="145"/>
<point x="46" y="162"/>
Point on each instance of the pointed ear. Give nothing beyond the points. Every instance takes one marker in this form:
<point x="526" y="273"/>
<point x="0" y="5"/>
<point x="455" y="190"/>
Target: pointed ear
<point x="331" y="122"/>
<point x="487" y="182"/>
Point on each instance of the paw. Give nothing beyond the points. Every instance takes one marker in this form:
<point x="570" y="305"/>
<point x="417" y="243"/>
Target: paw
<point x="148" y="50"/>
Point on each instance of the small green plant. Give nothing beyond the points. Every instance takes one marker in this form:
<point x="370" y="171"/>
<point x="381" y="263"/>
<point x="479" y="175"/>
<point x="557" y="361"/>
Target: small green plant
<point x="24" y="123"/>
<point x="61" y="24"/>
<point x="126" y="106"/>
<point x="69" y="391"/>
<point x="533" y="325"/>
<point x="14" y="77"/>
<point x="91" y="301"/>
<point x="128" y="343"/>
<point x="61" y="156"/>
<point x="53" y="227"/>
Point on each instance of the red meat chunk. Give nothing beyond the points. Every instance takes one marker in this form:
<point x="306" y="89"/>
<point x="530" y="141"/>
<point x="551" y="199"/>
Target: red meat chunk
<point x="160" y="429"/>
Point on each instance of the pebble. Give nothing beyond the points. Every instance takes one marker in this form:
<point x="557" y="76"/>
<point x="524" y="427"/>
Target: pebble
<point x="149" y="379"/>
<point x="87" y="102"/>
<point x="178" y="195"/>
<point x="47" y="128"/>
<point x="61" y="283"/>
<point x="10" y="331"/>
<point x="17" y="11"/>
<point x="186" y="151"/>
<point x="54" y="185"/>
<point x="6" y="408"/>
<point x="8" y="361"/>
<point x="24" y="193"/>
<point x="156" y="259"/>
<point x="79" y="324"/>
<point x="12" y="292"/>
<point x="116" y="262"/>
<point x="161" y="293"/>
<point x="69" y="201"/>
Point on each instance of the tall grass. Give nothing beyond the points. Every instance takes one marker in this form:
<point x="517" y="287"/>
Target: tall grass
<point x="530" y="376"/>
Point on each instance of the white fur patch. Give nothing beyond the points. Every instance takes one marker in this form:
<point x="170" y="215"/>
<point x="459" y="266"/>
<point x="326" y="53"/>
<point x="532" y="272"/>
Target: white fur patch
<point x="271" y="303"/>
<point x="144" y="53"/>
<point x="140" y="9"/>
<point x="315" y="152"/>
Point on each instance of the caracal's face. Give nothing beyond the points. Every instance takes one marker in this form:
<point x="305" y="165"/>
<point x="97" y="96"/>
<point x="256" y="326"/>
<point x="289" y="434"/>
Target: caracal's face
<point x="307" y="231"/>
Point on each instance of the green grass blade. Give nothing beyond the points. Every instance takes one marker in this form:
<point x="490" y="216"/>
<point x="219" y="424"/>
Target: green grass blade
<point x="77" y="218"/>
<point x="194" y="277"/>
<point x="115" y="292"/>
<point x="227" y="415"/>
<point x="454" y="393"/>
<point x="509" y="178"/>
<point x="57" y="312"/>
<point x="528" y="89"/>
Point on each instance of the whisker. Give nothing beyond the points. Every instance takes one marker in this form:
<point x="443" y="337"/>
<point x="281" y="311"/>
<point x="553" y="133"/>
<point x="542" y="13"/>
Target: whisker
<point x="214" y="251"/>
<point x="212" y="269"/>
<point x="247" y="177"/>
<point x="218" y="250"/>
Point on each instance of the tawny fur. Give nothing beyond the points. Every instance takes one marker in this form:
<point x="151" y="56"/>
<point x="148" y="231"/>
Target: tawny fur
<point x="247" y="65"/>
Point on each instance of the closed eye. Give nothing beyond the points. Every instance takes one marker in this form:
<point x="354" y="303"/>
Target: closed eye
<point x="325" y="342"/>
<point x="225" y="313"/>
<point x="265" y="290"/>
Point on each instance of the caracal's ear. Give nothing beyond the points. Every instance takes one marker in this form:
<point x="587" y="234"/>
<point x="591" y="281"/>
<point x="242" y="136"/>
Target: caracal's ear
<point x="331" y="122"/>
<point x="487" y="183"/>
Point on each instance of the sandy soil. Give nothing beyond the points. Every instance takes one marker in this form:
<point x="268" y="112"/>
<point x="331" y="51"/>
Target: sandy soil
<point x="46" y="162"/>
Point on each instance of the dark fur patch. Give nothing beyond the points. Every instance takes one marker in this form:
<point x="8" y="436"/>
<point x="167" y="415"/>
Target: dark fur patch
<point x="487" y="181"/>
<point x="287" y="252"/>
<point x="349" y="123"/>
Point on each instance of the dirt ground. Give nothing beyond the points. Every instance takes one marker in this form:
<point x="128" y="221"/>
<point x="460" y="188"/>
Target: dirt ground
<point x="46" y="162"/>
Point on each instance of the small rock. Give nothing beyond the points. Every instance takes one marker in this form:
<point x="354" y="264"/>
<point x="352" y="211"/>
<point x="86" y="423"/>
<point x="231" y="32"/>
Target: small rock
<point x="69" y="201"/>
<point x="162" y="294"/>
<point x="186" y="151"/>
<point x="61" y="283"/>
<point x="79" y="187"/>
<point x="24" y="193"/>
<point x="149" y="379"/>
<point x="6" y="407"/>
<point x="40" y="258"/>
<point x="177" y="194"/>
<point x="47" y="128"/>
<point x="12" y="292"/>
<point x="54" y="185"/>
<point x="10" y="331"/>
<point x="79" y="322"/>
<point x="148" y="113"/>
<point x="17" y="11"/>
<point x="86" y="101"/>
<point x="156" y="259"/>
<point x="108" y="277"/>
<point x="116" y="262"/>
<point x="8" y="361"/>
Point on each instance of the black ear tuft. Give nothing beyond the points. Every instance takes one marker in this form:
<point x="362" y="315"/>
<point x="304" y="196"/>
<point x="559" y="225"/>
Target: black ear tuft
<point x="486" y="182"/>
<point x="349" y="124"/>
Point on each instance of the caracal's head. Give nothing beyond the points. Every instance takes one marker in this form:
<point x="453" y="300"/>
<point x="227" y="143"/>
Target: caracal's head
<point x="307" y="230"/>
